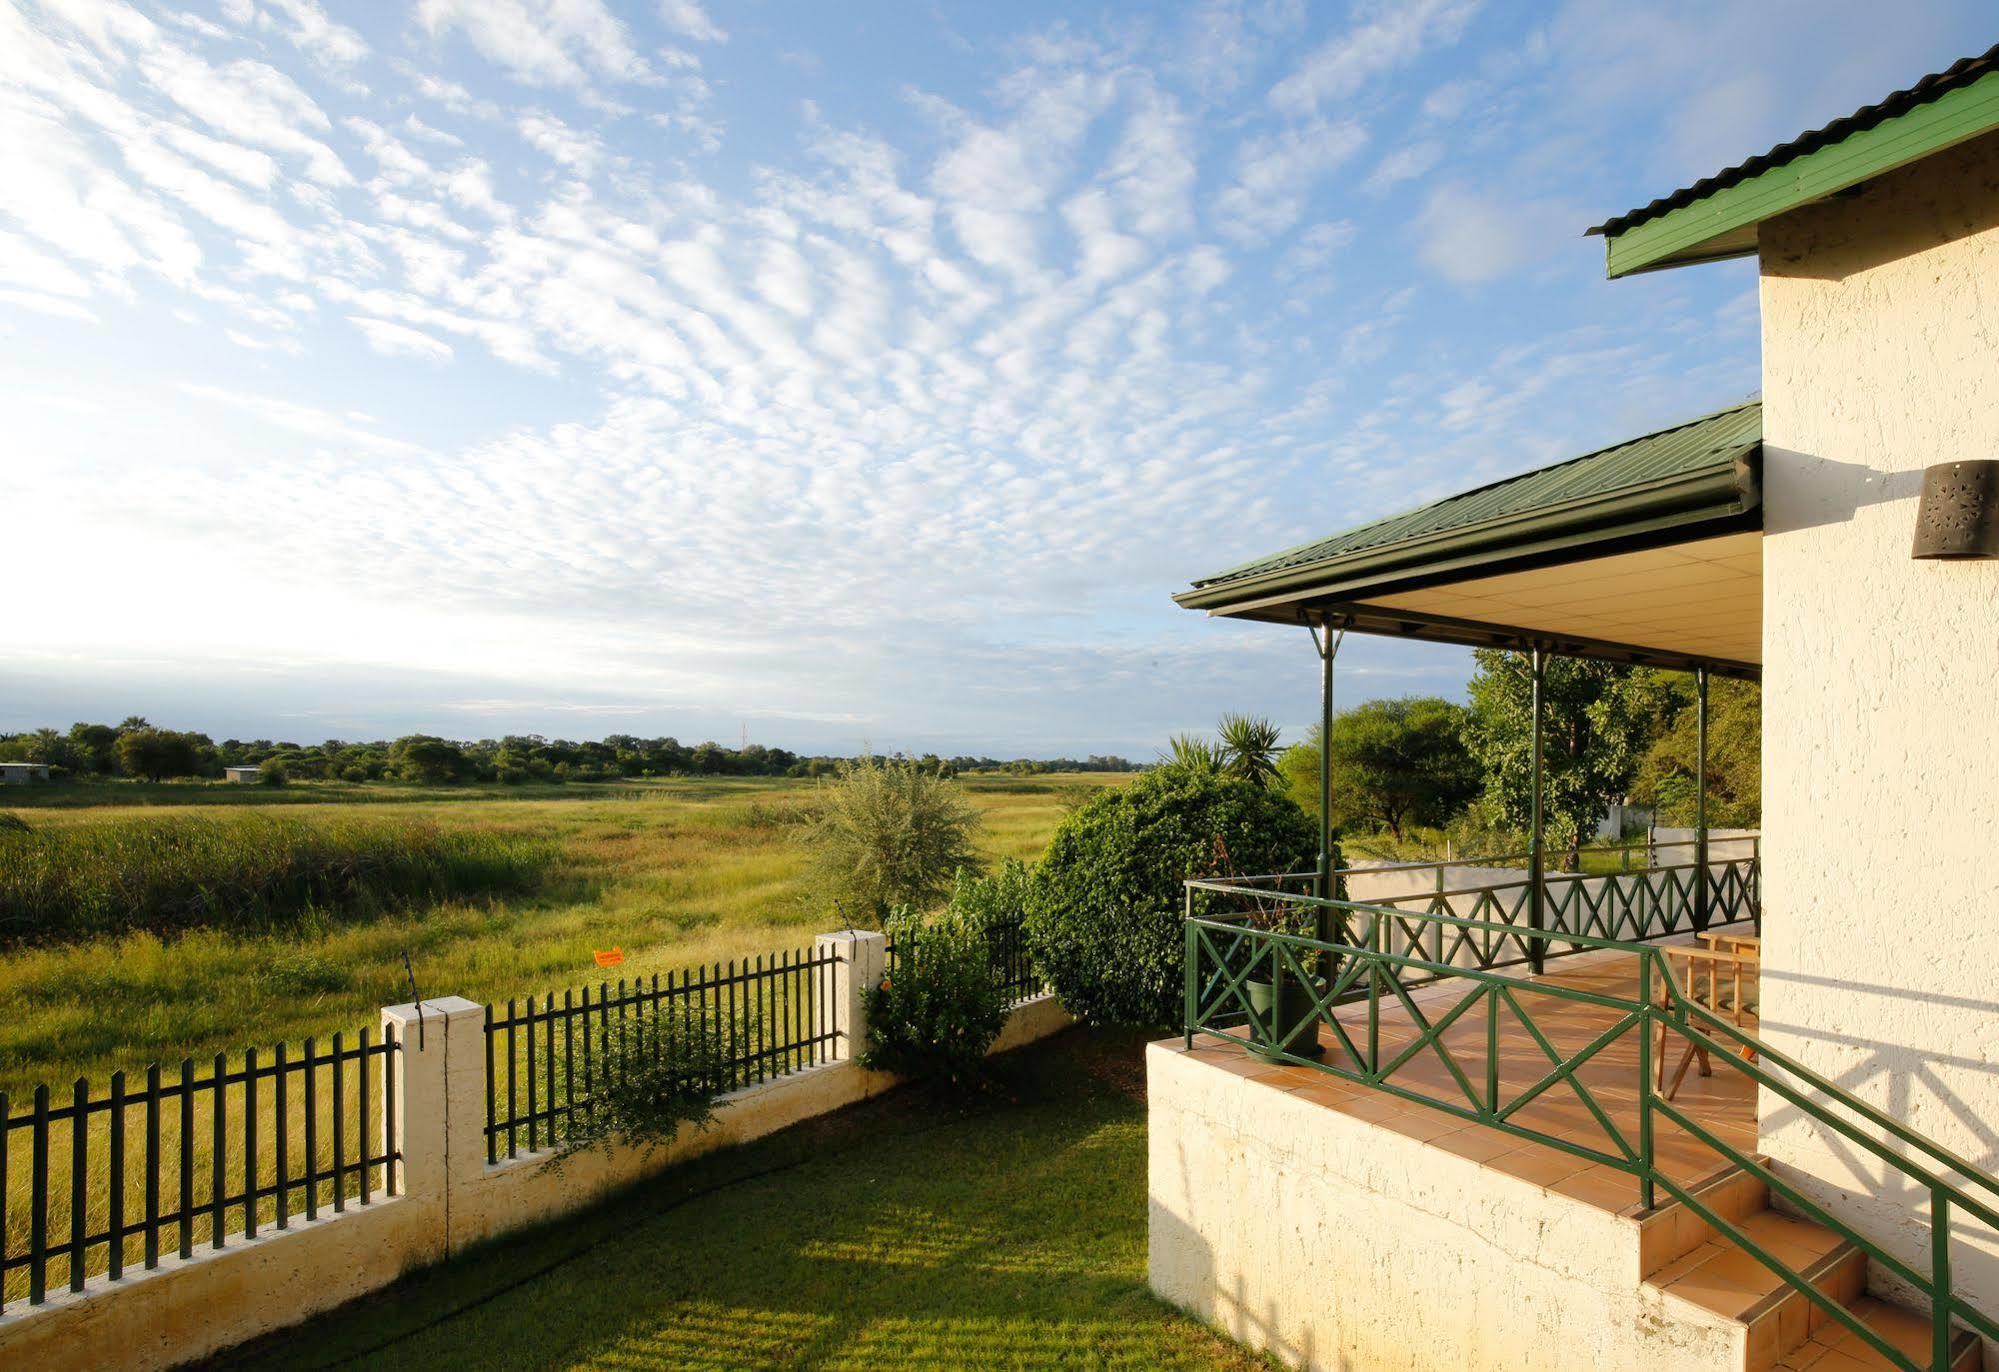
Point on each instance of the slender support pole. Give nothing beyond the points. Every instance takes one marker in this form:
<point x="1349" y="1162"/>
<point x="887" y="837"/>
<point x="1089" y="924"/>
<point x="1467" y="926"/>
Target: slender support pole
<point x="1701" y="910"/>
<point x="1328" y="644"/>
<point x="1939" y="1276"/>
<point x="1647" y="1188"/>
<point x="1537" y="861"/>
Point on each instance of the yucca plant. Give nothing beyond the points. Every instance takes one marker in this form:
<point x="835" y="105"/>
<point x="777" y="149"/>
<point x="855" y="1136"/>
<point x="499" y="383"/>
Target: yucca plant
<point x="1249" y="748"/>
<point x="1191" y="753"/>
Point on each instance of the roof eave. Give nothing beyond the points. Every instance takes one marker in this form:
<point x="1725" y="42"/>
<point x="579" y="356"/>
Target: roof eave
<point x="1717" y="492"/>
<point x="1679" y="236"/>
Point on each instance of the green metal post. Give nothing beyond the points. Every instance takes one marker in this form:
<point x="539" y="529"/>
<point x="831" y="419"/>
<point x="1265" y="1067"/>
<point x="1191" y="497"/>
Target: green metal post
<point x="1537" y="863"/>
<point x="1940" y="1276"/>
<point x="1193" y="973"/>
<point x="1701" y="912"/>
<point x="1647" y="1191"/>
<point x="1328" y="644"/>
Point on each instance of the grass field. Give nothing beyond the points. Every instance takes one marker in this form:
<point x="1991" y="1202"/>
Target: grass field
<point x="1007" y="1232"/>
<point x="673" y="872"/>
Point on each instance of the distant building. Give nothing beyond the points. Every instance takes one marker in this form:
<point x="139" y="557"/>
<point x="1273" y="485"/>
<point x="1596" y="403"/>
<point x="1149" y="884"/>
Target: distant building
<point x="23" y="773"/>
<point x="243" y="774"/>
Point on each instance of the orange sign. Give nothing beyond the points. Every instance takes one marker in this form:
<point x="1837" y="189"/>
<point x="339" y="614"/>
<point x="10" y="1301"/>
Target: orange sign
<point x="609" y="957"/>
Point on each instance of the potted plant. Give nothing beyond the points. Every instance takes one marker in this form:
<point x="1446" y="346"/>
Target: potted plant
<point x="1284" y="1005"/>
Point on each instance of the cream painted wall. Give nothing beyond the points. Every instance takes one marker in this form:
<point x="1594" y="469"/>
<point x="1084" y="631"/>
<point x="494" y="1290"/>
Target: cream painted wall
<point x="1881" y="680"/>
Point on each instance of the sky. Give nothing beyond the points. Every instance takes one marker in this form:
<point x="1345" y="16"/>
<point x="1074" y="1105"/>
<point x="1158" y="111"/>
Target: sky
<point x="831" y="374"/>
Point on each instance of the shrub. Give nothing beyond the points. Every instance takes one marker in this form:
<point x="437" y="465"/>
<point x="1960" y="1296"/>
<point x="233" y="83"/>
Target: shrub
<point x="935" y="1015"/>
<point x="996" y="906"/>
<point x="1105" y="904"/>
<point x="888" y="834"/>
<point x="242" y="872"/>
<point x="661" y="1071"/>
<point x="273" y="772"/>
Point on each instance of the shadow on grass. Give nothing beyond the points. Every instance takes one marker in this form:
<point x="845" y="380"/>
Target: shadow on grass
<point x="1003" y="1231"/>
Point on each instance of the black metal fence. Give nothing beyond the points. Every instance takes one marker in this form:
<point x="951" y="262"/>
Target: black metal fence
<point x="98" y="1182"/>
<point x="1012" y="965"/>
<point x="545" y="1058"/>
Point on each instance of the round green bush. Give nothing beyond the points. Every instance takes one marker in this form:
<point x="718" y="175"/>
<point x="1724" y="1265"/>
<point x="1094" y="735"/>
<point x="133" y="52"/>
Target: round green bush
<point x="1104" y="910"/>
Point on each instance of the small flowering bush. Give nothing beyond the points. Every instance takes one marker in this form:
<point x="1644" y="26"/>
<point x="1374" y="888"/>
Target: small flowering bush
<point x="938" y="1012"/>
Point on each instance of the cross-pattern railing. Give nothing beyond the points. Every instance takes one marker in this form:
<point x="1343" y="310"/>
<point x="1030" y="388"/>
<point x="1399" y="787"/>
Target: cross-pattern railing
<point x="1352" y="1013"/>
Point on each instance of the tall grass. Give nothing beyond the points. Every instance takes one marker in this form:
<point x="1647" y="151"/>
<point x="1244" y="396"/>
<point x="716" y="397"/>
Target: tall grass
<point x="243" y="872"/>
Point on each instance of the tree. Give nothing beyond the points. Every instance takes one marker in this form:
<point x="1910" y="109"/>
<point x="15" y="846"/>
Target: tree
<point x="157" y="754"/>
<point x="1249" y="748"/>
<point x="1594" y="731"/>
<point x="886" y="834"/>
<point x="1105" y="903"/>
<point x="1395" y="763"/>
<point x="425" y="758"/>
<point x="1666" y="774"/>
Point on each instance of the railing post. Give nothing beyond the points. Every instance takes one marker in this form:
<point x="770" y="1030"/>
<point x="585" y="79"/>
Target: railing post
<point x="1193" y="1008"/>
<point x="1701" y="911"/>
<point x="1940" y="1277"/>
<point x="1647" y="1193"/>
<point x="1537" y="864"/>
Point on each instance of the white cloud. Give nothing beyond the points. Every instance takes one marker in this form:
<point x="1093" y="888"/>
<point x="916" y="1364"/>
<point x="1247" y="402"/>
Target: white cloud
<point x="304" y="23"/>
<point x="1473" y="237"/>
<point x="1275" y="175"/>
<point x="540" y="42"/>
<point x="1395" y="34"/>
<point x="399" y="340"/>
<point x="690" y="20"/>
<point x="1406" y="163"/>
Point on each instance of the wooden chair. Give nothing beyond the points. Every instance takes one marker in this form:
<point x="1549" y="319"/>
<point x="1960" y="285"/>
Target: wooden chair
<point x="1723" y="981"/>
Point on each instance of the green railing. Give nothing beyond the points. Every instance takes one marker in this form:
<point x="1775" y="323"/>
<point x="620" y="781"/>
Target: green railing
<point x="1341" y="986"/>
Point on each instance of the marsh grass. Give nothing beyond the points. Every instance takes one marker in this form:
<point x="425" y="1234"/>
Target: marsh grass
<point x="244" y="872"/>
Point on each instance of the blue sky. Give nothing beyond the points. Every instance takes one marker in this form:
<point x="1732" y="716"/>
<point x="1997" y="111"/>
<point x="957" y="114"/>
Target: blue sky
<point x="843" y="372"/>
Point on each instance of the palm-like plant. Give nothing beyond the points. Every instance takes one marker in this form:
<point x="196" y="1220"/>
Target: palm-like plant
<point x="1193" y="754"/>
<point x="1249" y="748"/>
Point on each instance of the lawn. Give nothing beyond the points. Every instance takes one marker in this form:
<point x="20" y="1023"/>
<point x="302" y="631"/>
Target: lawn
<point x="674" y="873"/>
<point x="1007" y="1231"/>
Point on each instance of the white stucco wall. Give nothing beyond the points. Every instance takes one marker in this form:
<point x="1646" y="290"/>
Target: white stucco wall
<point x="1881" y="677"/>
<point x="1334" y="1243"/>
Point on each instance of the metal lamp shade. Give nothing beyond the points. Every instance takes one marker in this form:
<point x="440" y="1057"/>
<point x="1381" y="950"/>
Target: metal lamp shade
<point x="1959" y="514"/>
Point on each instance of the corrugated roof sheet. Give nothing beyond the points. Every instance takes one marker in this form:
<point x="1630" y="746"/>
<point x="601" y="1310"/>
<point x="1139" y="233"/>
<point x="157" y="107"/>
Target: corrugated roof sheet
<point x="1717" y="440"/>
<point x="1930" y="88"/>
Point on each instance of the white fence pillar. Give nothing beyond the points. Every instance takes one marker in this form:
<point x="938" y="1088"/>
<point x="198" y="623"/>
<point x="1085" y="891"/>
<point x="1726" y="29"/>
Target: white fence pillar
<point x="862" y="958"/>
<point x="440" y="1102"/>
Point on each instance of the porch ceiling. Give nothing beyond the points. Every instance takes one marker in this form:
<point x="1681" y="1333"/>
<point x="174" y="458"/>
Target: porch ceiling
<point x="1702" y="599"/>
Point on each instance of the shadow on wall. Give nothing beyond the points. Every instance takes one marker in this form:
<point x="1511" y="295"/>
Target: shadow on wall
<point x="1833" y="494"/>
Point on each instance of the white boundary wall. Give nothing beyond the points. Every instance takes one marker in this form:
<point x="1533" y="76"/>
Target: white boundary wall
<point x="451" y="1196"/>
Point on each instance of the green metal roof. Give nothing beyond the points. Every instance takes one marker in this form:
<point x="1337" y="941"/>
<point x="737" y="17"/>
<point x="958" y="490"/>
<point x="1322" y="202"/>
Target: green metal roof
<point x="1716" y="217"/>
<point x="1701" y="465"/>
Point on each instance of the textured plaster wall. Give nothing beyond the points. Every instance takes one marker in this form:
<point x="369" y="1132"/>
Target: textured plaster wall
<point x="1881" y="680"/>
<point x="1334" y="1243"/>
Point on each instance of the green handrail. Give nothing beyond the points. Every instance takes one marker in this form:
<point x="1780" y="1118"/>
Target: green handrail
<point x="1223" y="953"/>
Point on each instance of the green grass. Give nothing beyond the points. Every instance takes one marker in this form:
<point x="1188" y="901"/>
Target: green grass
<point x="906" y="1232"/>
<point x="244" y="872"/>
<point x="675" y="873"/>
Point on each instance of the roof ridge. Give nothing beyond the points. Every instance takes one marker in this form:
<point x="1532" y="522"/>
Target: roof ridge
<point x="1282" y="556"/>
<point x="1962" y="72"/>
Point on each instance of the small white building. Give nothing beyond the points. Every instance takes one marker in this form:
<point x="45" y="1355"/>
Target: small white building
<point x="247" y="775"/>
<point x="23" y="773"/>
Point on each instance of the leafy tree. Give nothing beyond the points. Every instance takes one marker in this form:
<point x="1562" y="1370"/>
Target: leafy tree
<point x="1104" y="907"/>
<point x="157" y="754"/>
<point x="1595" y="729"/>
<point x="1395" y="763"/>
<point x="425" y="758"/>
<point x="1249" y="748"/>
<point x="95" y="747"/>
<point x="884" y="834"/>
<point x="1666" y="774"/>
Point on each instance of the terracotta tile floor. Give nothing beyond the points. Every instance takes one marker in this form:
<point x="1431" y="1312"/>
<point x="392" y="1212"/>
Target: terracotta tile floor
<point x="1724" y="1103"/>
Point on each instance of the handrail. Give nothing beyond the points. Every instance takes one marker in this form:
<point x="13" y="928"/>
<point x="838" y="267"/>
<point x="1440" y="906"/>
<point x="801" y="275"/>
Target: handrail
<point x="1224" y="953"/>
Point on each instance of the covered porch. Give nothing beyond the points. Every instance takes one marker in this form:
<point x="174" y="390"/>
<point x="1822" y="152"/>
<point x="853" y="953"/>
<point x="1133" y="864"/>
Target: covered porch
<point x="1578" y="1054"/>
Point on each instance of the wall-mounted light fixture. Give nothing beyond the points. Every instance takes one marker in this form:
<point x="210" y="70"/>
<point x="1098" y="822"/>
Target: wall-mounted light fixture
<point x="1958" y="518"/>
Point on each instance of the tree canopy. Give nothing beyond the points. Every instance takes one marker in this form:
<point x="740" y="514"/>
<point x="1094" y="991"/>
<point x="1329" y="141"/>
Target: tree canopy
<point x="1395" y="763"/>
<point x="1598" y="718"/>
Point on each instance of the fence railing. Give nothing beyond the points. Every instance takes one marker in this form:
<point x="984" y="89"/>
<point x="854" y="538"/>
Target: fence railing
<point x="97" y="1181"/>
<point x="544" y="1058"/>
<point x="1357" y="984"/>
<point x="1012" y="964"/>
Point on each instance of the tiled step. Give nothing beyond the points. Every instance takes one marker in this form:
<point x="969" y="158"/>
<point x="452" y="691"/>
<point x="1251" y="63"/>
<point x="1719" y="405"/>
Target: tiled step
<point x="1785" y="1329"/>
<point x="1673" y="1231"/>
<point x="1832" y="1347"/>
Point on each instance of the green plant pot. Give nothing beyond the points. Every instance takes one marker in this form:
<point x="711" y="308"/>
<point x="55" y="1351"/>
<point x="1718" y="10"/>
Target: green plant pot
<point x="1294" y="1008"/>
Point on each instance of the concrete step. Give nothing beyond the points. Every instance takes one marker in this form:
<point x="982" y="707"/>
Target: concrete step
<point x="1672" y="1231"/>
<point x="1832" y="1347"/>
